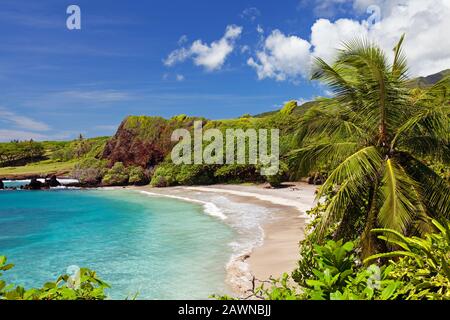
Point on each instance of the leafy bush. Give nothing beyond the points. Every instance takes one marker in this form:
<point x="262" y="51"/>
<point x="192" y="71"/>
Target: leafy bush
<point x="195" y="175"/>
<point x="276" y="180"/>
<point x="137" y="176"/>
<point x="169" y="174"/>
<point x="87" y="286"/>
<point x="420" y="271"/>
<point x="288" y="108"/>
<point x="423" y="267"/>
<point x="237" y="173"/>
<point x="116" y="176"/>
<point x="77" y="149"/>
<point x="165" y="175"/>
<point x="20" y="152"/>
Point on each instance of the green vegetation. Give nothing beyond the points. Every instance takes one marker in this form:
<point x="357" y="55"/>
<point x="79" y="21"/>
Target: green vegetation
<point x="385" y="150"/>
<point x="373" y="134"/>
<point x="42" y="168"/>
<point x="380" y="146"/>
<point x="85" y="286"/>
<point x="46" y="158"/>
<point x="16" y="152"/>
<point x="116" y="176"/>
<point x="89" y="171"/>
<point x="137" y="176"/>
<point x="289" y="108"/>
<point x="332" y="271"/>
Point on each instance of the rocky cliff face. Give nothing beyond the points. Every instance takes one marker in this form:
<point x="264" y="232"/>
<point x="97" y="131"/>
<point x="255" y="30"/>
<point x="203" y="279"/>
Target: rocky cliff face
<point x="144" y="141"/>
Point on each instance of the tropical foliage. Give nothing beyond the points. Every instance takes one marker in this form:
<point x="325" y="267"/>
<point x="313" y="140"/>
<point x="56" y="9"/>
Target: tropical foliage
<point x="420" y="271"/>
<point x="85" y="286"/>
<point x="17" y="152"/>
<point x="374" y="134"/>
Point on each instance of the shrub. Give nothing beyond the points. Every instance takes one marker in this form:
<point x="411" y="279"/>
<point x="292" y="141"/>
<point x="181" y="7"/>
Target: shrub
<point x="276" y="180"/>
<point x="86" y="286"/>
<point x="116" y="176"/>
<point x="89" y="171"/>
<point x="137" y="176"/>
<point x="288" y="108"/>
<point x="195" y="175"/>
<point x="423" y="268"/>
<point x="237" y="173"/>
<point x="165" y="175"/>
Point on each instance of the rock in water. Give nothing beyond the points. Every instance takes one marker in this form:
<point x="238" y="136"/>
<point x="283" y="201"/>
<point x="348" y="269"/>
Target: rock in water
<point x="35" y="184"/>
<point x="52" y="182"/>
<point x="2" y="186"/>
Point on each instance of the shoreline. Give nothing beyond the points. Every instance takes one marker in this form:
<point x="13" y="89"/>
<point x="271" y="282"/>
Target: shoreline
<point x="276" y="250"/>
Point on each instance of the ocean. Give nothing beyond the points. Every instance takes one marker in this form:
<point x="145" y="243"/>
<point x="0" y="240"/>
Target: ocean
<point x="152" y="247"/>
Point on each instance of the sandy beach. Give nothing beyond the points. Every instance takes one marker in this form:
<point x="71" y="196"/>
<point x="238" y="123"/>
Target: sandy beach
<point x="281" y="218"/>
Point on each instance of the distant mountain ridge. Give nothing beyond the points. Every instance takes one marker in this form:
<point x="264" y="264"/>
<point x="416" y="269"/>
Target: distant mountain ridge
<point x="428" y="81"/>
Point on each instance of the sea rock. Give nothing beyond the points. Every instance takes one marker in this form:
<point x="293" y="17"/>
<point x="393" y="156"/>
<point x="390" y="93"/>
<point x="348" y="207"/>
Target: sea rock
<point x="52" y="182"/>
<point x="34" y="184"/>
<point x="2" y="186"/>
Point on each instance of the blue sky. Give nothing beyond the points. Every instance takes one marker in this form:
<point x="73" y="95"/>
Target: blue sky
<point x="227" y="58"/>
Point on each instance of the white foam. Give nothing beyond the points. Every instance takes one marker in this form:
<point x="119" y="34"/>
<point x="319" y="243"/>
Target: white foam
<point x="301" y="207"/>
<point x="27" y="181"/>
<point x="209" y="207"/>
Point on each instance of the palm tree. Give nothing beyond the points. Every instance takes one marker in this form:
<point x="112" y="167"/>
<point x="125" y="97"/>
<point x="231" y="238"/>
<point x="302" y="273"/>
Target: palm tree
<point x="376" y="134"/>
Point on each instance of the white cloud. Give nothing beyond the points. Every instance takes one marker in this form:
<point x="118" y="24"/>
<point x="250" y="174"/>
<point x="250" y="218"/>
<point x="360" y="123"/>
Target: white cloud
<point x="98" y="96"/>
<point x="327" y="36"/>
<point x="282" y="57"/>
<point x="9" y="135"/>
<point x="209" y="56"/>
<point x="245" y="49"/>
<point x="179" y="77"/>
<point x="259" y="29"/>
<point x="178" y="55"/>
<point x="425" y="24"/>
<point x="326" y="8"/>
<point x="183" y="39"/>
<point x="21" y="121"/>
<point x="250" y="13"/>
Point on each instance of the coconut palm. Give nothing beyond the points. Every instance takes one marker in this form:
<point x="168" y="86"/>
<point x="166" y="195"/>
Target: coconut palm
<point x="377" y="134"/>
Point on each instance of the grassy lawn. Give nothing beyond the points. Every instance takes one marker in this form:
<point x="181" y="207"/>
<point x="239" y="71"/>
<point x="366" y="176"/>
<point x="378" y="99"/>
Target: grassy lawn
<point x="40" y="168"/>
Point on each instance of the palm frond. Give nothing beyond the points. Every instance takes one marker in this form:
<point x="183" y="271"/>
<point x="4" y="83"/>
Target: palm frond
<point x="400" y="65"/>
<point x="361" y="166"/>
<point x="435" y="191"/>
<point x="307" y="159"/>
<point x="398" y="200"/>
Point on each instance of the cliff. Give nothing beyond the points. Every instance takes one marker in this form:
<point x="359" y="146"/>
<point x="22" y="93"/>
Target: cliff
<point x="144" y="141"/>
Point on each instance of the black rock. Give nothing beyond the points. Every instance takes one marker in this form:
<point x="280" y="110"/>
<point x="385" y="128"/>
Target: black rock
<point x="2" y="186"/>
<point x="52" y="182"/>
<point x="35" y="184"/>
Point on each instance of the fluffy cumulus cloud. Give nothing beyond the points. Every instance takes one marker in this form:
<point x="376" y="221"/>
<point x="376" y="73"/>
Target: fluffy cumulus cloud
<point x="425" y="23"/>
<point x="282" y="57"/>
<point x="209" y="56"/>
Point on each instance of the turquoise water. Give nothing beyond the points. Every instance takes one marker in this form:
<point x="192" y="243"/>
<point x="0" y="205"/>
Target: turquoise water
<point x="157" y="247"/>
